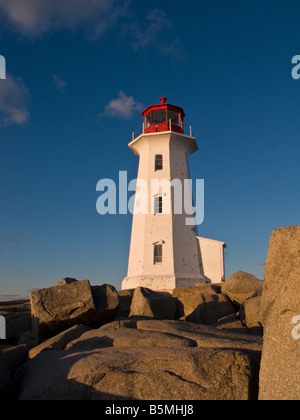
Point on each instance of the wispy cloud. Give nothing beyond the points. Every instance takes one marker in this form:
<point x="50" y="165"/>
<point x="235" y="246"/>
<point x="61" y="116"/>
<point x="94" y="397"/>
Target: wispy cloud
<point x="143" y="35"/>
<point x="34" y="18"/>
<point x="154" y="32"/>
<point x="60" y="84"/>
<point x="174" y="49"/>
<point x="13" y="243"/>
<point x="14" y="98"/>
<point x="262" y="263"/>
<point x="123" y="107"/>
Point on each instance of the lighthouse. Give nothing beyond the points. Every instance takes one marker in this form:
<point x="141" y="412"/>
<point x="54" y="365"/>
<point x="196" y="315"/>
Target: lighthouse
<point x="164" y="249"/>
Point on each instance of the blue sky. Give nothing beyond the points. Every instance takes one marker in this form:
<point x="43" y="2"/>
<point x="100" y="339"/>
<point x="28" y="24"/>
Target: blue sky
<point x="78" y="75"/>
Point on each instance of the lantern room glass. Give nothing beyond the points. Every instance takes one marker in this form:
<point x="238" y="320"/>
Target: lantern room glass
<point x="159" y="116"/>
<point x="174" y="117"/>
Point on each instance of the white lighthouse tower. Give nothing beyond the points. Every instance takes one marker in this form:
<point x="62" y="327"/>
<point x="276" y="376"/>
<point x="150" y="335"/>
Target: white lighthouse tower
<point x="164" y="251"/>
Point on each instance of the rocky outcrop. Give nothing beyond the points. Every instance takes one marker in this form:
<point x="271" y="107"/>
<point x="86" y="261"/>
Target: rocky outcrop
<point x="106" y="301"/>
<point x="58" y="308"/>
<point x="250" y="315"/>
<point x="125" y="298"/>
<point x="139" y="374"/>
<point x="279" y="375"/>
<point x="124" y="337"/>
<point x="157" y="360"/>
<point x="150" y="304"/>
<point x="66" y="280"/>
<point x="60" y="341"/>
<point x="241" y="286"/>
<point x="203" y="308"/>
<point x="97" y="343"/>
<point x="204" y="336"/>
<point x="231" y="323"/>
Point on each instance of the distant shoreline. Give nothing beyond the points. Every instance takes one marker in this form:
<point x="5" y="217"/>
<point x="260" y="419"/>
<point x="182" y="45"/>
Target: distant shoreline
<point x="14" y="302"/>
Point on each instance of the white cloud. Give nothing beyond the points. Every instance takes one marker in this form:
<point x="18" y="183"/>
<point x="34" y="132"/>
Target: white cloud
<point x="123" y="106"/>
<point x="13" y="101"/>
<point x="36" y="17"/>
<point x="60" y="84"/>
<point x="143" y="35"/>
<point x="174" y="49"/>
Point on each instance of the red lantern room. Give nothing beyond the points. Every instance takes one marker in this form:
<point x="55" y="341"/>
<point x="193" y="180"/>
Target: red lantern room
<point x="163" y="117"/>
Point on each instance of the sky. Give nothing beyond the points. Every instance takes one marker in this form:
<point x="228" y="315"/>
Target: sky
<point x="78" y="75"/>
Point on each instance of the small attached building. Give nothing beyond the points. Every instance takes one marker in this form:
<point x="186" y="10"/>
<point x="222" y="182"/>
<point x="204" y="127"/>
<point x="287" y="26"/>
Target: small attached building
<point x="211" y="256"/>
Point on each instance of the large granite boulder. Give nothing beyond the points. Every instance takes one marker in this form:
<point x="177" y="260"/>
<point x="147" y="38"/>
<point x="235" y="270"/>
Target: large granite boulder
<point x="280" y="368"/>
<point x="146" y="360"/>
<point x="60" y="341"/>
<point x="139" y="374"/>
<point x="231" y="323"/>
<point x="241" y="286"/>
<point x="203" y="308"/>
<point x="208" y="289"/>
<point x="125" y="297"/>
<point x="250" y="315"/>
<point x="150" y="304"/>
<point x="61" y="307"/>
<point x="66" y="280"/>
<point x="106" y="301"/>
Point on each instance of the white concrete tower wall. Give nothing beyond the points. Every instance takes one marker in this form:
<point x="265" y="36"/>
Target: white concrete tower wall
<point x="180" y="261"/>
<point x="185" y="246"/>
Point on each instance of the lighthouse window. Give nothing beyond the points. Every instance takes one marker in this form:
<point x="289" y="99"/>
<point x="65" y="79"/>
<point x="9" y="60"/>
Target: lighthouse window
<point x="148" y="120"/>
<point x="158" y="254"/>
<point x="159" y="163"/>
<point x="174" y="117"/>
<point x="158" y="205"/>
<point x="159" y="117"/>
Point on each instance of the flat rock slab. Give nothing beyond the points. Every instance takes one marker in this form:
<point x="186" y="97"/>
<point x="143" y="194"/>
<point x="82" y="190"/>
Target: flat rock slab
<point x="123" y="337"/>
<point x="139" y="373"/>
<point x="204" y="335"/>
<point x="60" y="341"/>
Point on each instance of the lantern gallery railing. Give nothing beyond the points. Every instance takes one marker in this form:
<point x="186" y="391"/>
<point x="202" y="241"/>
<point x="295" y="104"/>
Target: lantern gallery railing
<point x="168" y="127"/>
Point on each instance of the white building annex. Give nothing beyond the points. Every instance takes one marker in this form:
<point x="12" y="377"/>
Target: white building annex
<point x="165" y="253"/>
